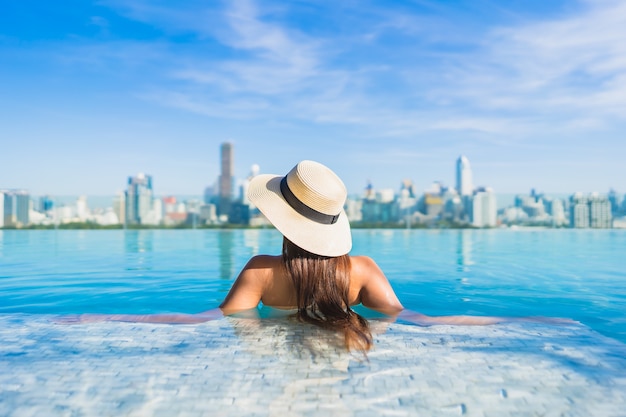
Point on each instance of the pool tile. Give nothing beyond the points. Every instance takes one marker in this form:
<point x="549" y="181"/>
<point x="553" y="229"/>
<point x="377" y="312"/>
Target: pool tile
<point x="236" y="367"/>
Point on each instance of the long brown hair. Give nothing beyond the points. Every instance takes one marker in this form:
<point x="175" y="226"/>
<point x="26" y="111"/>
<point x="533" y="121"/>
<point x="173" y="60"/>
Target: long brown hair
<point x="322" y="284"/>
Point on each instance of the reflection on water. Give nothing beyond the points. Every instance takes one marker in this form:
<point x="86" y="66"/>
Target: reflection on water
<point x="463" y="251"/>
<point x="251" y="240"/>
<point x="511" y="273"/>
<point x="225" y="242"/>
<point x="138" y="241"/>
<point x="138" y="248"/>
<point x="14" y="239"/>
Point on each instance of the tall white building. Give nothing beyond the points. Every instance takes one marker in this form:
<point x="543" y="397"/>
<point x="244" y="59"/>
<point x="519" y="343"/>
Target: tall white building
<point x="484" y="208"/>
<point x="386" y="195"/>
<point x="353" y="209"/>
<point x="593" y="210"/>
<point x="119" y="206"/>
<point x="557" y="210"/>
<point x="579" y="211"/>
<point x="600" y="212"/>
<point x="82" y="209"/>
<point x="464" y="184"/>
<point x="154" y="216"/>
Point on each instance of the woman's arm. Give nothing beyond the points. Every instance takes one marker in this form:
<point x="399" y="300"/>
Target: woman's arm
<point x="245" y="294"/>
<point x="424" y="320"/>
<point x="376" y="292"/>
<point x="174" y="318"/>
<point x="248" y="288"/>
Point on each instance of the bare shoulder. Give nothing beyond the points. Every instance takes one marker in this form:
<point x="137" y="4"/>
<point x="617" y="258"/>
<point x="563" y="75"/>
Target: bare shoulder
<point x="251" y="284"/>
<point x="260" y="267"/>
<point x="263" y="261"/>
<point x="364" y="269"/>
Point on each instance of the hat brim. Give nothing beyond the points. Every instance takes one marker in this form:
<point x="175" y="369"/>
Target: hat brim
<point x="320" y="239"/>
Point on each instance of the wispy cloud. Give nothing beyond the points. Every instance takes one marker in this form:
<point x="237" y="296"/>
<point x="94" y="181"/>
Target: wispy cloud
<point x="561" y="74"/>
<point x="573" y="66"/>
<point x="387" y="82"/>
<point x="513" y="80"/>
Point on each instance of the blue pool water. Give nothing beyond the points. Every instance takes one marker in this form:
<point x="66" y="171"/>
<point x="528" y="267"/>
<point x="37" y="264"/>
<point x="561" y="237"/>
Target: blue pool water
<point x="274" y="366"/>
<point x="578" y="274"/>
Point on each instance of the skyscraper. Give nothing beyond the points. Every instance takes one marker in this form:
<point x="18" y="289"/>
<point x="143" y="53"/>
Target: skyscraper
<point x="464" y="186"/>
<point x="615" y="203"/>
<point x="463" y="176"/>
<point x="139" y="196"/>
<point x="600" y="212"/>
<point x="15" y="207"/>
<point x="484" y="209"/>
<point x="226" y="179"/>
<point x="579" y="211"/>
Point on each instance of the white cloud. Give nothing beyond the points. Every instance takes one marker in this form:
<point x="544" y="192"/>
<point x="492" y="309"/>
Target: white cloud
<point x="573" y="65"/>
<point x="535" y="78"/>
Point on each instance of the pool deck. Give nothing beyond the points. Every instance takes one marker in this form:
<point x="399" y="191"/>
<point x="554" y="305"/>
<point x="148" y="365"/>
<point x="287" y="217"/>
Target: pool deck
<point x="245" y="367"/>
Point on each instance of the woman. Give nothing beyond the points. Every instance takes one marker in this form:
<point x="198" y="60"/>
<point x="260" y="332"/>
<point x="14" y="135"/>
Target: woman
<point x="314" y="275"/>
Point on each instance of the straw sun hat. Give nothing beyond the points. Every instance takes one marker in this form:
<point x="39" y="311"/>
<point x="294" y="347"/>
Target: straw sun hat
<point x="306" y="206"/>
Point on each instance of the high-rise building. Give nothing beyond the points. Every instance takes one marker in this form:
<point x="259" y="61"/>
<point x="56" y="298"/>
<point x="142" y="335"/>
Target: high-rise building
<point x="453" y="207"/>
<point x="600" y="212"/>
<point x="383" y="208"/>
<point x="119" y="207"/>
<point x="15" y="208"/>
<point x="615" y="203"/>
<point x="154" y="216"/>
<point x="431" y="204"/>
<point x="557" y="211"/>
<point x="225" y="184"/>
<point x="45" y="203"/>
<point x="464" y="184"/>
<point x="82" y="209"/>
<point x="209" y="195"/>
<point x="22" y="208"/>
<point x="592" y="210"/>
<point x="579" y="211"/>
<point x="138" y="198"/>
<point x="484" y="209"/>
<point x="353" y="209"/>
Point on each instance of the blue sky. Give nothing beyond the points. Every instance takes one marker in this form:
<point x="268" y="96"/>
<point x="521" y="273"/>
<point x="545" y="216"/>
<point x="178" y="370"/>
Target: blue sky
<point x="533" y="92"/>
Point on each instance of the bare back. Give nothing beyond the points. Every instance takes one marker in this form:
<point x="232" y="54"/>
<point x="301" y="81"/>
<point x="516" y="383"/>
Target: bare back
<point x="264" y="279"/>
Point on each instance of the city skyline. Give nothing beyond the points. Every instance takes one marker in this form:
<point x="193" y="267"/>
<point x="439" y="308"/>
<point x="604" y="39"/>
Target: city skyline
<point x="463" y="205"/>
<point x="533" y="93"/>
<point x="238" y="181"/>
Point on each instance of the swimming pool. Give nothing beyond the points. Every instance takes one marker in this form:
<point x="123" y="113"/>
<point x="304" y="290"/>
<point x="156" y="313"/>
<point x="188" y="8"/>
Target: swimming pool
<point x="250" y="367"/>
